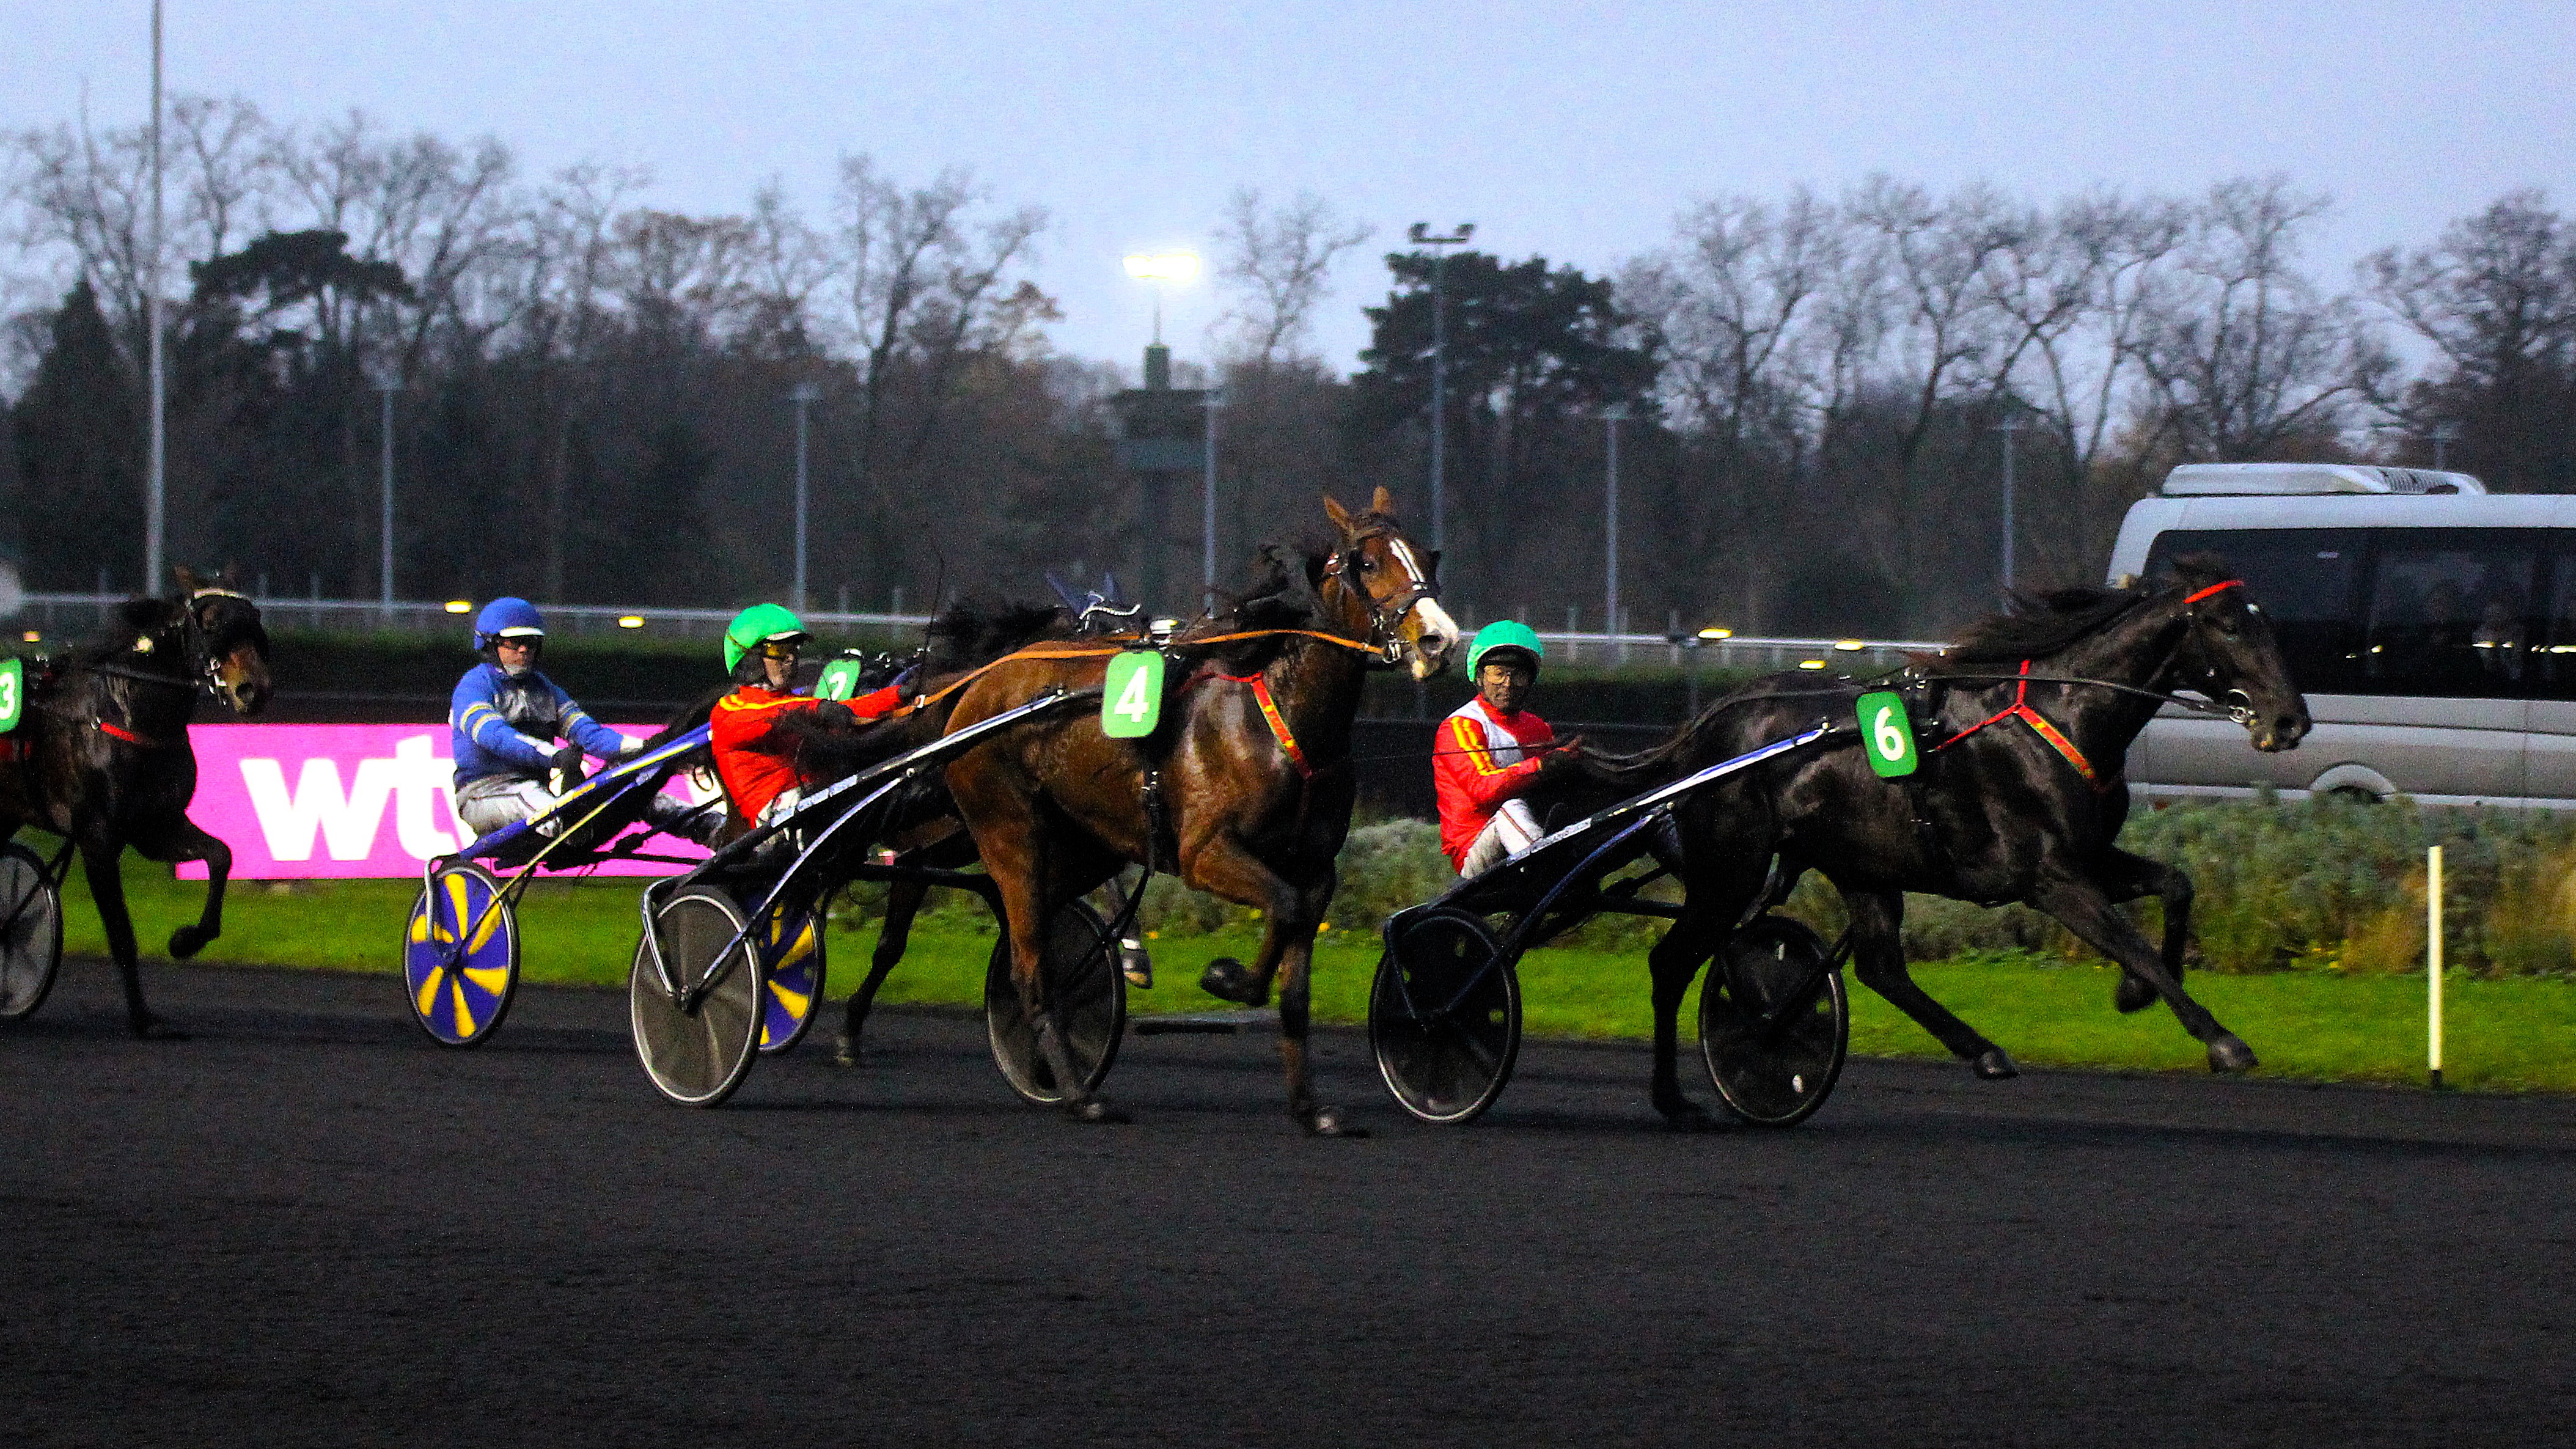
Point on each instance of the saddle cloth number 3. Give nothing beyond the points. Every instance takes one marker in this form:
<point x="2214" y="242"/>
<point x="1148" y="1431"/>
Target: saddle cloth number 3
<point x="13" y="692"/>
<point x="1131" y="701"/>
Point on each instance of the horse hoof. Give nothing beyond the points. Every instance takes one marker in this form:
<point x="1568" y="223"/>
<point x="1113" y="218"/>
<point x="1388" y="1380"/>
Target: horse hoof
<point x="1686" y="1116"/>
<point x="1992" y="1065"/>
<point x="1227" y="979"/>
<point x="1329" y="1122"/>
<point x="2228" y="1054"/>
<point x="845" y="1051"/>
<point x="2133" y="994"/>
<point x="1096" y="1113"/>
<point x="187" y="941"/>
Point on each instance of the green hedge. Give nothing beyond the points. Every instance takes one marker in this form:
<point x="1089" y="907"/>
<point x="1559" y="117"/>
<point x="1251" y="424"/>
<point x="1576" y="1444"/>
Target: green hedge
<point x="2324" y="885"/>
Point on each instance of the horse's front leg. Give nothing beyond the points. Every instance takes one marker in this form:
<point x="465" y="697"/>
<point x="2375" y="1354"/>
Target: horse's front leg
<point x="2127" y="877"/>
<point x="1878" y="959"/>
<point x="1224" y="867"/>
<point x="181" y="842"/>
<point x="107" y="888"/>
<point x="2082" y="907"/>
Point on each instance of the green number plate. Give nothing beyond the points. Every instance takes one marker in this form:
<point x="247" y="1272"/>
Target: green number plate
<point x="840" y="680"/>
<point x="13" y="693"/>
<point x="1133" y="702"/>
<point x="1887" y="734"/>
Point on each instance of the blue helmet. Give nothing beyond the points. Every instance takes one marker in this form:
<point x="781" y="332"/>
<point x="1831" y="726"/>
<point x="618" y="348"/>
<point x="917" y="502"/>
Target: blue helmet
<point x="507" y="619"/>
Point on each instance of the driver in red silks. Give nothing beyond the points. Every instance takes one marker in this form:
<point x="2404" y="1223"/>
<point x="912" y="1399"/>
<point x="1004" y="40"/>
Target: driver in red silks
<point x="755" y="750"/>
<point x="1491" y="751"/>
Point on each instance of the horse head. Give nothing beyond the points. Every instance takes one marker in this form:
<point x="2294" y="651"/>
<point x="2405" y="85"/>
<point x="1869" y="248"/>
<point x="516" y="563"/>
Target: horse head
<point x="2230" y="654"/>
<point x="226" y="643"/>
<point x="1393" y="583"/>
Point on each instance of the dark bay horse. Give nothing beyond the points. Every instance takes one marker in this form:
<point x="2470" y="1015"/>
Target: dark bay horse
<point x="1997" y="811"/>
<point x="1244" y="790"/>
<point x="102" y="756"/>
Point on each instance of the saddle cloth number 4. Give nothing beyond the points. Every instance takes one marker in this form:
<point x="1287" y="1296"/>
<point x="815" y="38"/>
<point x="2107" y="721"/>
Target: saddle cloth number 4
<point x="1131" y="701"/>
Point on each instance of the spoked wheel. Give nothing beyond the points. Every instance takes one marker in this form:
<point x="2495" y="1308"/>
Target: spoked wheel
<point x="791" y="973"/>
<point x="460" y="956"/>
<point x="1082" y="975"/>
<point x="31" y="932"/>
<point x="1774" y="1022"/>
<point x="1445" y="1016"/>
<point x="697" y="1051"/>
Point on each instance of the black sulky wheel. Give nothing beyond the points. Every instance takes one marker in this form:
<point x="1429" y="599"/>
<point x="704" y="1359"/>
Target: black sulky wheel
<point x="697" y="1054"/>
<point x="1081" y="966"/>
<point x="31" y="932"/>
<point x="1774" y="1022"/>
<point x="1445" y="1016"/>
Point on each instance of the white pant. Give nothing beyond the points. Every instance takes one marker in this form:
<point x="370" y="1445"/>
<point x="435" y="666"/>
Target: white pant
<point x="1511" y="830"/>
<point x="497" y="800"/>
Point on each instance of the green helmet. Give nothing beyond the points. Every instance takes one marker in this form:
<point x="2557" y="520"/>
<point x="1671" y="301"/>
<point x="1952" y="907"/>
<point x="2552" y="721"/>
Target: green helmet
<point x="1505" y="634"/>
<point x="756" y="626"/>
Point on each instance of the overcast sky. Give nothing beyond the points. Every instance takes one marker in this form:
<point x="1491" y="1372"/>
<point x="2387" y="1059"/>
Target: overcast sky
<point x="1567" y="130"/>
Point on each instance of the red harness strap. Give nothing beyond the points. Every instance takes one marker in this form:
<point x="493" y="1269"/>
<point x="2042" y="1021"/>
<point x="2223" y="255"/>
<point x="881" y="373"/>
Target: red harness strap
<point x="2212" y="589"/>
<point x="1271" y="716"/>
<point x="2020" y="709"/>
<point x="116" y="731"/>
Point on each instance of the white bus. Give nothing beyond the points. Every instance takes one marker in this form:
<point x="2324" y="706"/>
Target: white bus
<point x="2431" y="625"/>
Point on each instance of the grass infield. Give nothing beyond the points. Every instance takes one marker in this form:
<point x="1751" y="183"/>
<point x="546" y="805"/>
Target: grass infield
<point x="2507" y="1035"/>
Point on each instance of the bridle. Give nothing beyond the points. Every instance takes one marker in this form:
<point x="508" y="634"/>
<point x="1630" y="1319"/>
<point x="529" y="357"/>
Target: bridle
<point x="204" y="670"/>
<point x="1385" y="615"/>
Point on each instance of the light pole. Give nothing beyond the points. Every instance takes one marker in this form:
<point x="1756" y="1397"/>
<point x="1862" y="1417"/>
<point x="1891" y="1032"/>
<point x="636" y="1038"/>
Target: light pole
<point x="1423" y="236"/>
<point x="2011" y="424"/>
<point x="153" y="515"/>
<point x="2443" y="433"/>
<point x="1611" y="416"/>
<point x="385" y="388"/>
<point x="804" y="395"/>
<point x="1214" y="399"/>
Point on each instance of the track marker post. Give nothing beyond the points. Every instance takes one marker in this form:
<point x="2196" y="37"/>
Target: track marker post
<point x="2433" y="964"/>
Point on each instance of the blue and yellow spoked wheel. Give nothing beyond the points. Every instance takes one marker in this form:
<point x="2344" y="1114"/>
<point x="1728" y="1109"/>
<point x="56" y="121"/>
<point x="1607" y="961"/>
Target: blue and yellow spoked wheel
<point x="791" y="962"/>
<point x="460" y="956"/>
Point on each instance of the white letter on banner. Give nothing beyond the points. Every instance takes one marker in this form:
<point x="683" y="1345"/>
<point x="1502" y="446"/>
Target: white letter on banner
<point x="347" y="823"/>
<point x="417" y="801"/>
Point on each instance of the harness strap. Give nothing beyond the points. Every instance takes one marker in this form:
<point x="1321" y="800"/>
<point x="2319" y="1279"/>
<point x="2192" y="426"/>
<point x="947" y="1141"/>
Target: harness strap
<point x="1271" y="716"/>
<point x="1104" y="650"/>
<point x="117" y="731"/>
<point x="2020" y="709"/>
<point x="2191" y="599"/>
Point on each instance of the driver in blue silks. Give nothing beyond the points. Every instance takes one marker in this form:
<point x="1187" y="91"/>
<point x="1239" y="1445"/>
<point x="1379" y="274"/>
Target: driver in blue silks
<point x="506" y="718"/>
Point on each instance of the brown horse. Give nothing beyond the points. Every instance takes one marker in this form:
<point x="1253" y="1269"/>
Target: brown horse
<point x="104" y="757"/>
<point x="1244" y="790"/>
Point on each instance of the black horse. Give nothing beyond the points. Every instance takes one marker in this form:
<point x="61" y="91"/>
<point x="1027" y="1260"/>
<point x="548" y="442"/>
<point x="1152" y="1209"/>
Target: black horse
<point x="102" y="758"/>
<point x="2019" y="796"/>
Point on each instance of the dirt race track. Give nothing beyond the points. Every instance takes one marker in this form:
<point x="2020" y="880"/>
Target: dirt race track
<point x="309" y="1226"/>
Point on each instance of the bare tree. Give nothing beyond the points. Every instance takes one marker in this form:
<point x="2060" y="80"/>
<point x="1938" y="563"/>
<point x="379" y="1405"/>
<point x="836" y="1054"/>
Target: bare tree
<point x="2496" y="300"/>
<point x="1279" y="261"/>
<point x="2245" y="357"/>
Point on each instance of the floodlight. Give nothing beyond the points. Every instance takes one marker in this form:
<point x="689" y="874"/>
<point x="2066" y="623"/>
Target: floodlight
<point x="1163" y="267"/>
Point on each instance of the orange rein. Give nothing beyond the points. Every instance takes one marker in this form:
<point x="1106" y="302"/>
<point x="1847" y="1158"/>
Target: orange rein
<point x="1104" y="650"/>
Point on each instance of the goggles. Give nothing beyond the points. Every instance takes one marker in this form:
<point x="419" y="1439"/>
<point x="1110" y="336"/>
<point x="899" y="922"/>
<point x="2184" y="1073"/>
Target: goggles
<point x="778" y="648"/>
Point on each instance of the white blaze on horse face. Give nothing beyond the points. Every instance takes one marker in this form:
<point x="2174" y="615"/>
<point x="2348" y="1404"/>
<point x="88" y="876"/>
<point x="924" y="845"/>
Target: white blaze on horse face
<point x="1435" y="633"/>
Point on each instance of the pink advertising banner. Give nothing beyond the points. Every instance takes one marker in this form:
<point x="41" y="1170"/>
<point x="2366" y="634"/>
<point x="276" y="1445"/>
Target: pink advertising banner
<point x="304" y="802"/>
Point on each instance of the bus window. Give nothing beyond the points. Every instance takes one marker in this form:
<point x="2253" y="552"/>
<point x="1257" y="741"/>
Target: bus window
<point x="2449" y="614"/>
<point x="2553" y="666"/>
<point x="2303" y="577"/>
